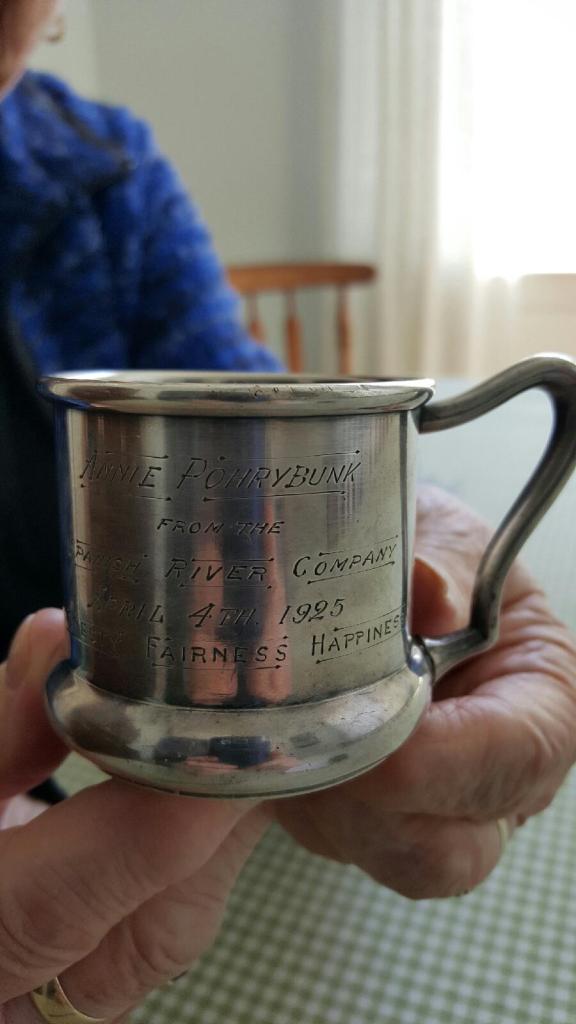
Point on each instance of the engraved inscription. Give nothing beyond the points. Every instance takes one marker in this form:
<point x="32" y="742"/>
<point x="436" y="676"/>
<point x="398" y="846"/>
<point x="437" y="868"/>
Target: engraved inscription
<point x="94" y="636"/>
<point x="111" y="466"/>
<point x="135" y="611"/>
<point x="147" y="477"/>
<point x="180" y="526"/>
<point x="167" y="652"/>
<point x="186" y="571"/>
<point x="195" y="590"/>
<point x="130" y="611"/>
<point x="238" y="529"/>
<point x="221" y="616"/>
<point x="339" y="644"/>
<point x="315" y="612"/>
<point x="86" y="557"/>
<point x="257" y="529"/>
<point x="273" y="479"/>
<point x="330" y="565"/>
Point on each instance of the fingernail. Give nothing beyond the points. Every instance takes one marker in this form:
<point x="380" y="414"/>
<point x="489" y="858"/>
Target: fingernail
<point x="19" y="656"/>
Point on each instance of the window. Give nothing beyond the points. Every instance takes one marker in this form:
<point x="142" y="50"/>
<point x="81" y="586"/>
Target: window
<point x="508" y="135"/>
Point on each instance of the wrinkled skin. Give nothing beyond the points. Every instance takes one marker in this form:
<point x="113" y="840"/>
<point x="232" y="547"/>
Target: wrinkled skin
<point x="496" y="743"/>
<point x="118" y="889"/>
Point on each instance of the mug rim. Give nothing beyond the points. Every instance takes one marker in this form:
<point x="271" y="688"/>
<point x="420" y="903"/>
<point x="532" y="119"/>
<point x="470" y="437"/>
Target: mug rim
<point x="199" y="393"/>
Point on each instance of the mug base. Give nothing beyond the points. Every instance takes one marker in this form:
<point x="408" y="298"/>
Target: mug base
<point x="234" y="753"/>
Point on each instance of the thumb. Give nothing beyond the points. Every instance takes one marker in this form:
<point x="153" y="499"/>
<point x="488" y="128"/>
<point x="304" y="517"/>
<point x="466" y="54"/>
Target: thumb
<point x="450" y="540"/>
<point x="29" y="748"/>
<point x="438" y="606"/>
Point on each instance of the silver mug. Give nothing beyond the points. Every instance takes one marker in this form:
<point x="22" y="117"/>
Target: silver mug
<point x="237" y="553"/>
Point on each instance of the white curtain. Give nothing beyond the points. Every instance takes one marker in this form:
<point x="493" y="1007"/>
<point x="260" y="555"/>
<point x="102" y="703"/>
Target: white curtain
<point x="456" y="172"/>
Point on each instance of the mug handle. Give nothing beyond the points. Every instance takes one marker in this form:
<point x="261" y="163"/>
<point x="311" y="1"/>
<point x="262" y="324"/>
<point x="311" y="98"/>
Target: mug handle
<point x="555" y="375"/>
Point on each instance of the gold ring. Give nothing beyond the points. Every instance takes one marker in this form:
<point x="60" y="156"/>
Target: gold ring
<point x="503" y="833"/>
<point x="54" y="1006"/>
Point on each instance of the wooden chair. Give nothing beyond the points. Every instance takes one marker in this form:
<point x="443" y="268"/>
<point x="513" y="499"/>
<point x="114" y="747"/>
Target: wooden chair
<point x="288" y="278"/>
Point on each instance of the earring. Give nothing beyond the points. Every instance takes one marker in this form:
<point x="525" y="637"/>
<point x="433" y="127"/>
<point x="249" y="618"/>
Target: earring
<point x="56" y="30"/>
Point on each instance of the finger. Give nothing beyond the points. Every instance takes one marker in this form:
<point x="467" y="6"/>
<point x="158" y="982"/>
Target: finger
<point x="80" y="868"/>
<point x="505" y="748"/>
<point x="517" y="742"/>
<point x="22" y="1011"/>
<point x="166" y="935"/>
<point x="418" y="855"/>
<point x="438" y="606"/>
<point x="431" y="858"/>
<point x="29" y="748"/>
<point x="450" y="542"/>
<point x="450" y="539"/>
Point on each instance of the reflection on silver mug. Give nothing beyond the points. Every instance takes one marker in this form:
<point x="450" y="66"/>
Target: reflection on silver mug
<point x="237" y="553"/>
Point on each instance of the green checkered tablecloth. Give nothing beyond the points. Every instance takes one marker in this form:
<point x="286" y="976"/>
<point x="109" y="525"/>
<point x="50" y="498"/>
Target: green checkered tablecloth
<point x="308" y="942"/>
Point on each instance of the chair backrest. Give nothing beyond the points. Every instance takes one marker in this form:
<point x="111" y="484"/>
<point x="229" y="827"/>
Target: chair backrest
<point x="288" y="278"/>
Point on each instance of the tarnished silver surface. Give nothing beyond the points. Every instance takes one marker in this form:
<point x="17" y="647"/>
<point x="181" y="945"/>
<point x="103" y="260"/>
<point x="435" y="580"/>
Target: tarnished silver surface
<point x="238" y="557"/>
<point x="556" y="376"/>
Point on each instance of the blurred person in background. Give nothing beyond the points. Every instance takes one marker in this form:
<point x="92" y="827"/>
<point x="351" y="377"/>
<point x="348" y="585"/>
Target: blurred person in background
<point x="104" y="262"/>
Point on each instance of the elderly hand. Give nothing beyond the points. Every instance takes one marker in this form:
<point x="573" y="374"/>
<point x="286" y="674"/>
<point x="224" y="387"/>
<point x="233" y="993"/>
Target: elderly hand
<point x="495" y="744"/>
<point x="116" y="890"/>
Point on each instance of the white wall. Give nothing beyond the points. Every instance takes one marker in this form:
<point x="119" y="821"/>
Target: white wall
<point x="236" y="92"/>
<point x="242" y="97"/>
<point x="241" y="94"/>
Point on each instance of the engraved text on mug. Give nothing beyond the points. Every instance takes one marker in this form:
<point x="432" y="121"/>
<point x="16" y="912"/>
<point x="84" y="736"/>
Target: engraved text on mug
<point x="351" y="639"/>
<point x="151" y="476"/>
<point x="329" y="565"/>
<point x="168" y="652"/>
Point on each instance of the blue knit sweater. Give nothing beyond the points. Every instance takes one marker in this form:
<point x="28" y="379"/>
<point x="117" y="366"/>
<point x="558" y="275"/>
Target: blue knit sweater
<point x="104" y="261"/>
